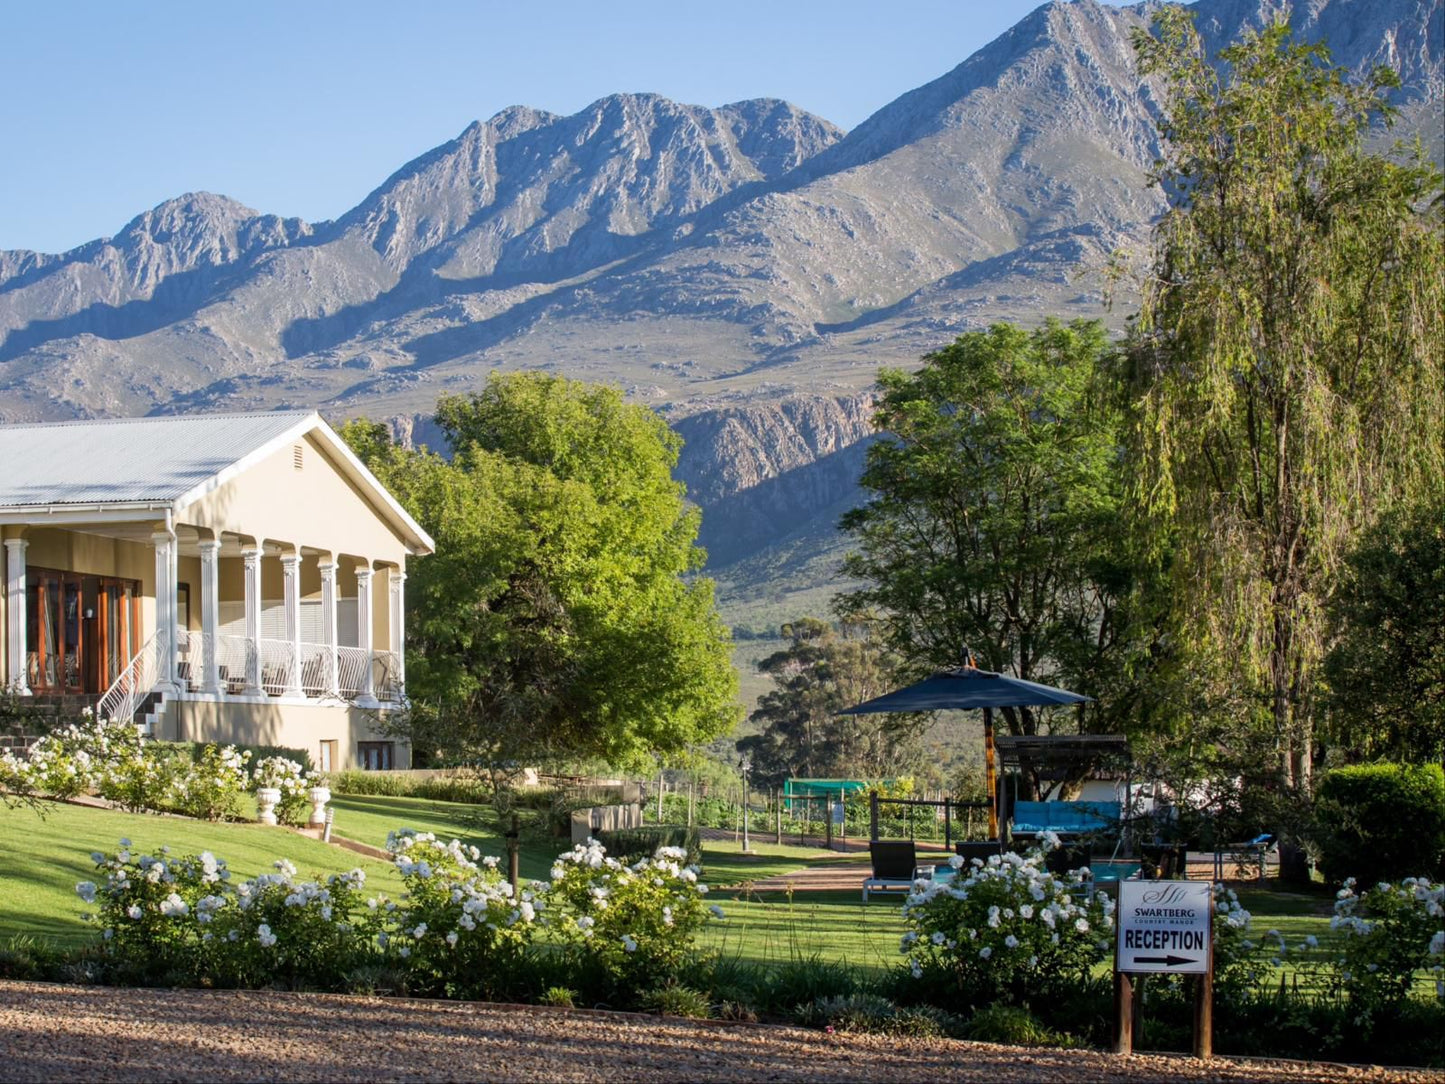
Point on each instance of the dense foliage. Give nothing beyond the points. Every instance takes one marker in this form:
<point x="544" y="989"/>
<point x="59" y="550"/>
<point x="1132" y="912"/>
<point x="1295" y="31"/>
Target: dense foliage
<point x="1381" y="822"/>
<point x="559" y="614"/>
<point x="1285" y="378"/>
<point x="1386" y="673"/>
<point x="992" y="519"/>
<point x="822" y="670"/>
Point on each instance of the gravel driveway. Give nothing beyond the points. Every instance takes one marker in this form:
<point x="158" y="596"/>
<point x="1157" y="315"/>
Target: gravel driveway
<point x="55" y="1033"/>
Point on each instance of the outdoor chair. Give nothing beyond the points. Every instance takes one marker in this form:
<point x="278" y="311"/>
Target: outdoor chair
<point x="983" y="850"/>
<point x="1164" y="861"/>
<point x="895" y="866"/>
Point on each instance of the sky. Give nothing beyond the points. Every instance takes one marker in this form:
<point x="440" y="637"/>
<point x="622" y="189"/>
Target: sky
<point x="302" y="108"/>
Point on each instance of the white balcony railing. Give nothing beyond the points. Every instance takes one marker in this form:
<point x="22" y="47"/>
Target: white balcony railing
<point x="275" y="661"/>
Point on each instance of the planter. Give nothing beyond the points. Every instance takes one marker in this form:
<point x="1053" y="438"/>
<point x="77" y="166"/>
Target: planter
<point x="319" y="797"/>
<point x="267" y="798"/>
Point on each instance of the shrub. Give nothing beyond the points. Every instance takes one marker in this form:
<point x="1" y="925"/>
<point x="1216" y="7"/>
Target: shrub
<point x="450" y="788"/>
<point x="1391" y="932"/>
<point x="676" y="1000"/>
<point x="874" y="1014"/>
<point x="180" y="921"/>
<point x="460" y="931"/>
<point x="1382" y="822"/>
<point x="1008" y="929"/>
<point x="1013" y="1026"/>
<point x="212" y="786"/>
<point x="631" y="927"/>
<point x="630" y="844"/>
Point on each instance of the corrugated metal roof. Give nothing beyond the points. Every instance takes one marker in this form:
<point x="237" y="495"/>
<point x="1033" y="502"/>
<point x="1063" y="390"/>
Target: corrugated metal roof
<point x="127" y="459"/>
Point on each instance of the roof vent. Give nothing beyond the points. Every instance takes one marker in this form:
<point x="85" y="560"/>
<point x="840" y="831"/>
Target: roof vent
<point x="297" y="456"/>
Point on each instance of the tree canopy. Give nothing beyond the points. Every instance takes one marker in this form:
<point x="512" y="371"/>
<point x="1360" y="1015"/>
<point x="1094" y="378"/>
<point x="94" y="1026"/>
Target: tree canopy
<point x="560" y="613"/>
<point x="991" y="518"/>
<point x="1386" y="670"/>
<point x="822" y="670"/>
<point x="1286" y="374"/>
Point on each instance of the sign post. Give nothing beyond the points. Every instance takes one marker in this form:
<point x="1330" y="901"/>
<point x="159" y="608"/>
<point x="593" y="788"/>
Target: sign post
<point x="1164" y="928"/>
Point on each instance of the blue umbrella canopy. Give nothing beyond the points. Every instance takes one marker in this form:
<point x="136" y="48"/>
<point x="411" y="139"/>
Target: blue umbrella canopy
<point x="964" y="688"/>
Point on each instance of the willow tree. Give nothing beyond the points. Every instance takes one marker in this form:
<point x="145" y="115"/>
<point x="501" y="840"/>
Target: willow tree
<point x="1285" y="372"/>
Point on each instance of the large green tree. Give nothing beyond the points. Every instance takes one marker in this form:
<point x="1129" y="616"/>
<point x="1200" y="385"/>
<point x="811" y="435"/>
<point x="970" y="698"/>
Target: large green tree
<point x="822" y="670"/>
<point x="1285" y="375"/>
<point x="1386" y="671"/>
<point x="560" y="614"/>
<point x="991" y="518"/>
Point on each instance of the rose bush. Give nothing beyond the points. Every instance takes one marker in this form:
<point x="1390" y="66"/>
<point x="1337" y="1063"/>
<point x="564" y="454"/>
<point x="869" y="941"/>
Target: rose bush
<point x="459" y="930"/>
<point x="631" y="927"/>
<point x="1007" y="929"/>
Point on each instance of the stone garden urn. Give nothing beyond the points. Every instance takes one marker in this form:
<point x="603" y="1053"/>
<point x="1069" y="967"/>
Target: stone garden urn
<point x="319" y="797"/>
<point x="267" y="799"/>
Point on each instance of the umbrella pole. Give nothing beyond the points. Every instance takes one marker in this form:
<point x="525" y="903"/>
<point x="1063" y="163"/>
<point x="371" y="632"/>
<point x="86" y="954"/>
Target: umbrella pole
<point x="991" y="773"/>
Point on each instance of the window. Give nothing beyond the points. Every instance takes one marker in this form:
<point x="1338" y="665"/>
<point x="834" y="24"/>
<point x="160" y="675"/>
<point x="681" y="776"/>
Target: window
<point x="328" y="757"/>
<point x="375" y="756"/>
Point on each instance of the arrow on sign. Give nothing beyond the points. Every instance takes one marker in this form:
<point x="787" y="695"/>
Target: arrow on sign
<point x="1167" y="961"/>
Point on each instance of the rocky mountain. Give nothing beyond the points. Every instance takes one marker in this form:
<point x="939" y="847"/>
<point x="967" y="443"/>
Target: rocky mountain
<point x="744" y="269"/>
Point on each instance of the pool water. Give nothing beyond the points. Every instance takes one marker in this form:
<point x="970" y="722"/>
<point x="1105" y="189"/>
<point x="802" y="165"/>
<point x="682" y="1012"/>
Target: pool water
<point x="1104" y="871"/>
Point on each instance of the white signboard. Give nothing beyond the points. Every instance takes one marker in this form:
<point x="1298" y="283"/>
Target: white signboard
<point x="1164" y="926"/>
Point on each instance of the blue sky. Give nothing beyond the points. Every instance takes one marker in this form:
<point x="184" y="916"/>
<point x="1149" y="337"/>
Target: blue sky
<point x="301" y="108"/>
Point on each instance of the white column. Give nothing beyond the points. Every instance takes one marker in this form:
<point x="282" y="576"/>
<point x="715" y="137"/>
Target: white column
<point x="328" y="624"/>
<point x="367" y="697"/>
<point x="210" y="610"/>
<point x="252" y="557"/>
<point x="165" y="546"/>
<point x="15" y="616"/>
<point x="398" y="624"/>
<point x="291" y="573"/>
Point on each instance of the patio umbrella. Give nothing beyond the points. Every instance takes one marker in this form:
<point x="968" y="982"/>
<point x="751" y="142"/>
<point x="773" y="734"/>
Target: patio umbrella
<point x="965" y="688"/>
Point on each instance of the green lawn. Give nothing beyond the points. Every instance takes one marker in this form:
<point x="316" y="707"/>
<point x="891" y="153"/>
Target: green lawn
<point x="724" y="864"/>
<point x="47" y="855"/>
<point x="769" y="928"/>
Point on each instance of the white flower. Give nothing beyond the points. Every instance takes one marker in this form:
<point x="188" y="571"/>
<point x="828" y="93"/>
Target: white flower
<point x="1082" y="925"/>
<point x="86" y="891"/>
<point x="1011" y="941"/>
<point x="452" y="939"/>
<point x="173" y="906"/>
<point x="937" y="937"/>
<point x="265" y="936"/>
<point x="717" y="912"/>
<point x="133" y="911"/>
<point x="1026" y="912"/>
<point x="1437" y="943"/>
<point x="985" y="952"/>
<point x="916" y="970"/>
<point x="628" y="944"/>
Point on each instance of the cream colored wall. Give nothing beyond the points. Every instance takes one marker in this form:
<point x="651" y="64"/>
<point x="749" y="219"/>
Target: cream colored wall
<point x="316" y="506"/>
<point x="73" y="551"/>
<point x="299" y="726"/>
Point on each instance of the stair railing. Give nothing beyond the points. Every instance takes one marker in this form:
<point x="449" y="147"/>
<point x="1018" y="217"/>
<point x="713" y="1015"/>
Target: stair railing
<point x="135" y="682"/>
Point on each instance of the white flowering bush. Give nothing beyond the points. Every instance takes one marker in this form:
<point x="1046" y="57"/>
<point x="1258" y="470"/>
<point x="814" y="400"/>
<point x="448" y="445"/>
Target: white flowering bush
<point x="292" y="780"/>
<point x="149" y="907"/>
<point x="185" y="920"/>
<point x="459" y="930"/>
<point x="633" y="927"/>
<point x="213" y="785"/>
<point x="276" y="928"/>
<point x="1388" y="935"/>
<point x="1007" y="928"/>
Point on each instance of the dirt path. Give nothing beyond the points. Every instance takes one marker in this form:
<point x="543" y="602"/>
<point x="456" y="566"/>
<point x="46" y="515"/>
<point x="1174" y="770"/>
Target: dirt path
<point x="64" y="1033"/>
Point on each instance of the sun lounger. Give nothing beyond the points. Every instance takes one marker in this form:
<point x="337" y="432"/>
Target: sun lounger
<point x="895" y="866"/>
